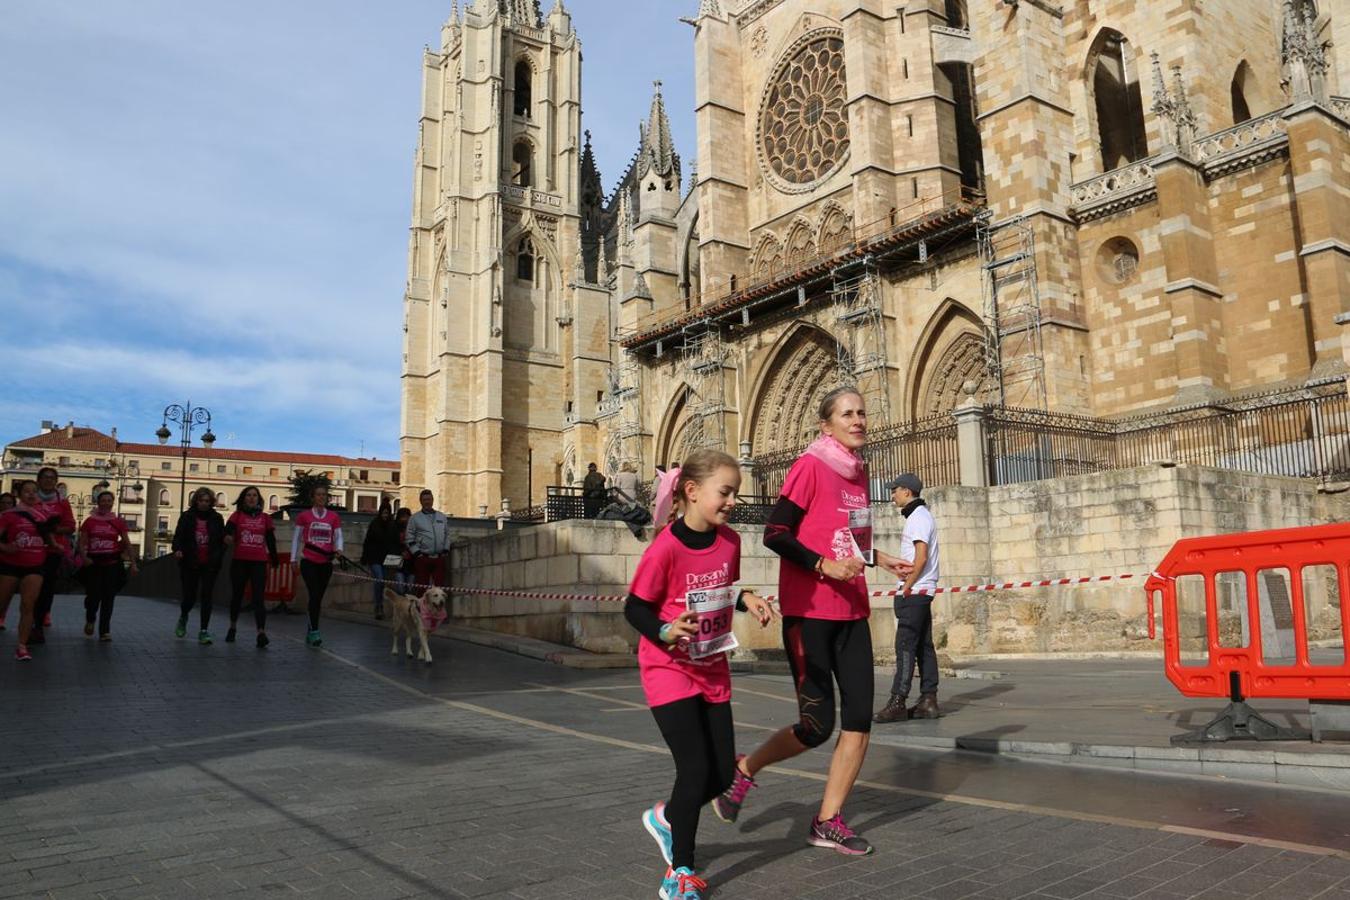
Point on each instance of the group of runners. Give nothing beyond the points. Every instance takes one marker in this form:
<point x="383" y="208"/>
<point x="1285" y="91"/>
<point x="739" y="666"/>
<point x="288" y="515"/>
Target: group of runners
<point x="681" y="602"/>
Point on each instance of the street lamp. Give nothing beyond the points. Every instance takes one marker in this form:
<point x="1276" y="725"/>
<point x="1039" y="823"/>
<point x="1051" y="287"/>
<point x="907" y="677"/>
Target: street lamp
<point x="186" y="417"/>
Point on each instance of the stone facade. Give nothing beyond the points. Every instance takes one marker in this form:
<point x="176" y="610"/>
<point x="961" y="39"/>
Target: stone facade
<point x="1112" y="523"/>
<point x="1175" y="173"/>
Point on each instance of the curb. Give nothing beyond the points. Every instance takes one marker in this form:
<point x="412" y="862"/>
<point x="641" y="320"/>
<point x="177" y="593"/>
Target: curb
<point x="1319" y="771"/>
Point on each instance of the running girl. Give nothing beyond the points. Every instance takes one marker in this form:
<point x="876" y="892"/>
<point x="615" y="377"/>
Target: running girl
<point x="251" y="533"/>
<point x="106" y="544"/>
<point x="681" y="602"/>
<point x="316" y="544"/>
<point x="25" y="539"/>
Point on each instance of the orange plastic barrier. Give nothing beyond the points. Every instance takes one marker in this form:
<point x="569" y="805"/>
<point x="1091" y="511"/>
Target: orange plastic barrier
<point x="280" y="580"/>
<point x="1256" y="569"/>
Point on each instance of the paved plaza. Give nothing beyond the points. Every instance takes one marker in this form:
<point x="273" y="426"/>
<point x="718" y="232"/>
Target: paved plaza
<point x="153" y="767"/>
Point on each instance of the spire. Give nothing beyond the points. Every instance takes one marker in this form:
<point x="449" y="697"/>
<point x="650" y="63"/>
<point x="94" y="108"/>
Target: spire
<point x="1173" y="108"/>
<point x="523" y="12"/>
<point x="625" y="221"/>
<point x="709" y="9"/>
<point x="592" y="188"/>
<point x="1182" y="114"/>
<point x="1302" y="56"/>
<point x="657" y="148"/>
<point x="559" y="19"/>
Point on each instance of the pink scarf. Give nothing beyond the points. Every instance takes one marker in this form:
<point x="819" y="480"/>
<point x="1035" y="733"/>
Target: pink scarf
<point x="431" y="620"/>
<point x="842" y="460"/>
<point x="665" y="497"/>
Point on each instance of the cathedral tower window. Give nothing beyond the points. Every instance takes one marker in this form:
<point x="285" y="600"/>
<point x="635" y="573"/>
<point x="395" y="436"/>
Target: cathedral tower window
<point x="1242" y="80"/>
<point x="525" y="261"/>
<point x="956" y="14"/>
<point x="524" y="92"/>
<point x="1114" y="81"/>
<point x="522" y="164"/>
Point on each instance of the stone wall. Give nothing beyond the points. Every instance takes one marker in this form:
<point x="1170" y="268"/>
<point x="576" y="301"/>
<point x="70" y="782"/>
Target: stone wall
<point x="1110" y="523"/>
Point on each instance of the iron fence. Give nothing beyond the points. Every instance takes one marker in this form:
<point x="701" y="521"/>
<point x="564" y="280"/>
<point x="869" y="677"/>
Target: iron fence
<point x="1303" y="433"/>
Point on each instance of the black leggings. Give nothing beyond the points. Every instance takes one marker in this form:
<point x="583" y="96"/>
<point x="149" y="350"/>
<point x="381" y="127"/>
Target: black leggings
<point x="244" y="574"/>
<point x="821" y="652"/>
<point x="702" y="740"/>
<point x="51" y="569"/>
<point x="316" y="577"/>
<point x="198" y="580"/>
<point x="101" y="585"/>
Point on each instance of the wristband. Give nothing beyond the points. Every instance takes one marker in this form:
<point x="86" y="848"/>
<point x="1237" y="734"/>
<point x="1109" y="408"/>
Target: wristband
<point x="664" y="633"/>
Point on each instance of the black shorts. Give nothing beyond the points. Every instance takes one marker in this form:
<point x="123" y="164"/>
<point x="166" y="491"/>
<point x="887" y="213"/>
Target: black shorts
<point x="20" y="572"/>
<point x="821" y="653"/>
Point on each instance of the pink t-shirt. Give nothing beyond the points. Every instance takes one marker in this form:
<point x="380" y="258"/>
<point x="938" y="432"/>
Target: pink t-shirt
<point x="250" y="536"/>
<point x="17" y="529"/>
<point x="101" y="537"/>
<point x="827" y="497"/>
<point x="665" y="573"/>
<point x="322" y="533"/>
<point x="59" y="507"/>
<point x="203" y="541"/>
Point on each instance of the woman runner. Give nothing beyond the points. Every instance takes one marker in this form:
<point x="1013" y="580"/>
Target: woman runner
<point x="106" y="544"/>
<point x="251" y="533"/>
<point x="7" y="503"/>
<point x="25" y="539"/>
<point x="199" y="546"/>
<point x="316" y="544"/>
<point x="682" y="654"/>
<point x="821" y="527"/>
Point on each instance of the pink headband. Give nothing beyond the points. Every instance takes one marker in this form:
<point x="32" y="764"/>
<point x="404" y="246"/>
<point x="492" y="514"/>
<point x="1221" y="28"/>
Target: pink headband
<point x="665" y="496"/>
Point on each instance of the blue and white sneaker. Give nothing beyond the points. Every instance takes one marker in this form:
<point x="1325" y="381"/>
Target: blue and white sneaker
<point x="682" y="884"/>
<point x="654" y="820"/>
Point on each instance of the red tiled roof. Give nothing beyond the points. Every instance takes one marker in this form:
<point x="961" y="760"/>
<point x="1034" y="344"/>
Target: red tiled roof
<point x="90" y="440"/>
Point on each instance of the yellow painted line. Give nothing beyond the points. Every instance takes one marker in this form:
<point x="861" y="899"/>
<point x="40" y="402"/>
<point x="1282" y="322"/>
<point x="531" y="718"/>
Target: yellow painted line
<point x="1031" y="809"/>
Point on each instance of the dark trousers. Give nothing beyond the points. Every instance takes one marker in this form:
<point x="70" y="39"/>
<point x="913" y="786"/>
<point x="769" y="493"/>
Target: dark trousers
<point x="101" y="586"/>
<point x="914" y="645"/>
<point x="428" y="571"/>
<point x="253" y="576"/>
<point x="702" y="740"/>
<point x="316" y="577"/>
<point x="198" y="581"/>
<point x="51" y="568"/>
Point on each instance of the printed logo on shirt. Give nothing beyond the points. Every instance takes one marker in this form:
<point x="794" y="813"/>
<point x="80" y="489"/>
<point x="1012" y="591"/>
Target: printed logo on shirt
<point x="26" y="541"/>
<point x="852" y="501"/>
<point x="320" y="534"/>
<point x="714" y="578"/>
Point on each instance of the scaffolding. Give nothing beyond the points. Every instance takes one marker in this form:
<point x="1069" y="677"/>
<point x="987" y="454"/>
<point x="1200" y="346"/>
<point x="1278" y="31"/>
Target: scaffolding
<point x="624" y="404"/>
<point x="704" y="358"/>
<point x="855" y="294"/>
<point x="1014" y="353"/>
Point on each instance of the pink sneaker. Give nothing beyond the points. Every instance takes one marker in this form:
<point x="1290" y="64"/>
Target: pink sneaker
<point x="838" y="837"/>
<point x="21" y="653"/>
<point x="47" y="621"/>
<point x="727" y="805"/>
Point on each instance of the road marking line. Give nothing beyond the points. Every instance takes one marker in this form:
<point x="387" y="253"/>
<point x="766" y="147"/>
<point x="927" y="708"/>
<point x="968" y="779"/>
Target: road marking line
<point x="1028" y="808"/>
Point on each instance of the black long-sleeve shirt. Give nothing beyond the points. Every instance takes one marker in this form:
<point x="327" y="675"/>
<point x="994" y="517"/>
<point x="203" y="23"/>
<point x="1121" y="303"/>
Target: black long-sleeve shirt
<point x="640" y="612"/>
<point x="780" y="535"/>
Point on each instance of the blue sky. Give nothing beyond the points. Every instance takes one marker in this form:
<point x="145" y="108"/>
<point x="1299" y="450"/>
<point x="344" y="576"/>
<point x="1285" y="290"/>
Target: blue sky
<point x="211" y="202"/>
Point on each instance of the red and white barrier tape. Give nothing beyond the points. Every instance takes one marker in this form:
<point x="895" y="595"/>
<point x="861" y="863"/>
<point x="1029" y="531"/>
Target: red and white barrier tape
<point x="962" y="589"/>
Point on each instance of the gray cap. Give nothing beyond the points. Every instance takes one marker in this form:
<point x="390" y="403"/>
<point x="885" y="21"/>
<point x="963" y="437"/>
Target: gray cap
<point x="909" y="481"/>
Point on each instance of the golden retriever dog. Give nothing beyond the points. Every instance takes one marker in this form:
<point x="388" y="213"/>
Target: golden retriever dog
<point x="416" y="616"/>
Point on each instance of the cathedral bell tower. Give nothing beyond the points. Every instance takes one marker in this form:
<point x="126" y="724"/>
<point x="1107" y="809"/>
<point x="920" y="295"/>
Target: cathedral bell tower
<point x="488" y="318"/>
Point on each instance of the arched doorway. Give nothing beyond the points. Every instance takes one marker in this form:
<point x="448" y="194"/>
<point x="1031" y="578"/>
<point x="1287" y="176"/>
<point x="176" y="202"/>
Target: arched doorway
<point x="951" y="352"/>
<point x="803" y="369"/>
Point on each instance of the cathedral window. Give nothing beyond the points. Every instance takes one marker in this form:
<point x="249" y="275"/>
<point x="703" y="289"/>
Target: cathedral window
<point x="522" y="164"/>
<point x="1118" y="102"/>
<point x="525" y="261"/>
<point x="524" y="84"/>
<point x="956" y="14"/>
<point x="1242" y="80"/>
<point x="803" y="128"/>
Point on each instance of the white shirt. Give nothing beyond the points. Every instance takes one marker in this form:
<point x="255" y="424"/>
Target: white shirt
<point x="428" y="533"/>
<point x="921" y="527"/>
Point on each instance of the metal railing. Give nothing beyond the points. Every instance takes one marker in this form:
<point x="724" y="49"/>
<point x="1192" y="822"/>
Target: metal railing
<point x="1303" y="433"/>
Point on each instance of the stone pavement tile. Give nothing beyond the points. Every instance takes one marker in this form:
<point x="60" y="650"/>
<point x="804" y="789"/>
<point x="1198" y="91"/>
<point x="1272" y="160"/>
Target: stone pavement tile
<point x="1127" y="886"/>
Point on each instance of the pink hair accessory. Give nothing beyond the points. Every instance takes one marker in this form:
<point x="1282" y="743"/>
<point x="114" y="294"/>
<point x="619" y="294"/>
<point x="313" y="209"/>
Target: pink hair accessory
<point x="665" y="496"/>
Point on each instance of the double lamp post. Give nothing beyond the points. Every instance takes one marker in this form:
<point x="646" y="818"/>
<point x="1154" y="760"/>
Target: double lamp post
<point x="186" y="417"/>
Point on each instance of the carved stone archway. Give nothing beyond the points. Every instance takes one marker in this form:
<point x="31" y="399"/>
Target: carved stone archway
<point x="802" y="371"/>
<point x="951" y="352"/>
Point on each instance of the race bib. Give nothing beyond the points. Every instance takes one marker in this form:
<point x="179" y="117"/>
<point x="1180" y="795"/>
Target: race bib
<point x="320" y="534"/>
<point x="714" y="609"/>
<point x="860" y="529"/>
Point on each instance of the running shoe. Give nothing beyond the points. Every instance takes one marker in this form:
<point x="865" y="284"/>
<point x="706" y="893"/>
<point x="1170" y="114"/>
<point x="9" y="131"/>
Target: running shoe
<point x="838" y="837"/>
<point x="313" y="638"/>
<point x="262" y="640"/>
<point x="204" y="637"/>
<point x="682" y="884"/>
<point x="181" y="630"/>
<point x="229" y="635"/>
<point x="47" y="620"/>
<point x="727" y="805"/>
<point x="105" y="637"/>
<point x="89" y="629"/>
<point x="21" y="653"/>
<point x="654" y="820"/>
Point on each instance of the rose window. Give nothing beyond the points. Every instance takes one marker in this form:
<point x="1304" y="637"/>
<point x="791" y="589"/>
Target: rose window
<point x="804" y="122"/>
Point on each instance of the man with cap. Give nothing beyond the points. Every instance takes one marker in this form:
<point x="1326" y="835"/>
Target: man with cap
<point x="914" y="606"/>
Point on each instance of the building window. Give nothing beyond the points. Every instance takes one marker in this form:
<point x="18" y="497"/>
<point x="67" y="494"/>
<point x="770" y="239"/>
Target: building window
<point x="274" y="472"/>
<point x="194" y="467"/>
<point x="164" y="467"/>
<point x="63" y="461"/>
<point x="522" y="164"/>
<point x="524" y="83"/>
<point x="365" y="474"/>
<point x="395" y="478"/>
<point x="220" y="500"/>
<point x="220" y="470"/>
<point x="133" y="522"/>
<point x="273" y="503"/>
<point x="1118" y="101"/>
<point x="164" y="497"/>
<point x="1242" y="80"/>
<point x="525" y="260"/>
<point x="248" y="470"/>
<point x="163" y="523"/>
<point x="366" y="504"/>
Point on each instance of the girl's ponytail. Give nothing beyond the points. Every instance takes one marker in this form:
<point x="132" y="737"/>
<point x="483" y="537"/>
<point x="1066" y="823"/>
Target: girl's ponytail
<point x="664" y="513"/>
